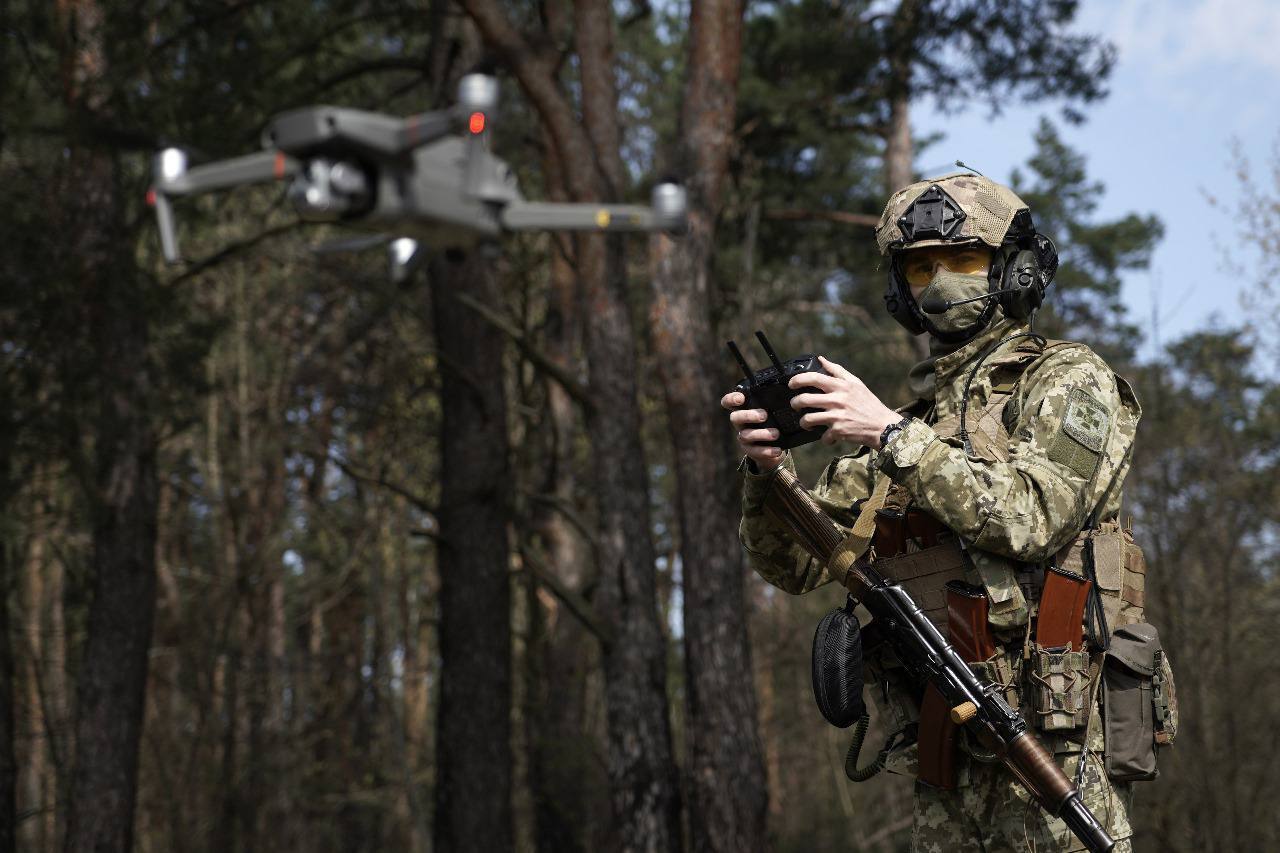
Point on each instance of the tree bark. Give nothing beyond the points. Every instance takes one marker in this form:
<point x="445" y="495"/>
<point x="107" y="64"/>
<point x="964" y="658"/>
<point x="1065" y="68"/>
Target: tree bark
<point x="113" y="674"/>
<point x="898" y="151"/>
<point x="726" y="771"/>
<point x="643" y="781"/>
<point x="473" y="788"/>
<point x="899" y="154"/>
<point x="112" y="679"/>
<point x="8" y="758"/>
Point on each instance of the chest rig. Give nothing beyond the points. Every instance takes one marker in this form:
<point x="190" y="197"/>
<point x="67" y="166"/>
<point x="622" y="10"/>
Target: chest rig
<point x="967" y="594"/>
<point x="925" y="557"/>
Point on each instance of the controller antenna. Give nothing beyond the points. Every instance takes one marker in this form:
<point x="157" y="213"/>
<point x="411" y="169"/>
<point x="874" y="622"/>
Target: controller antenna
<point x="742" y="362"/>
<point x="773" y="356"/>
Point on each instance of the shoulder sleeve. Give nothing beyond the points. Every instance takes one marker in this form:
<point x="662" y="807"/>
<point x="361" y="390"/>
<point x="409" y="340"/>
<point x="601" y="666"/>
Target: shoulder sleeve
<point x="770" y="550"/>
<point x="1072" y="434"/>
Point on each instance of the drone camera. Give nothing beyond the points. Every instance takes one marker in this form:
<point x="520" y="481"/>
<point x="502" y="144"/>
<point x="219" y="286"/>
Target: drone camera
<point x="327" y="190"/>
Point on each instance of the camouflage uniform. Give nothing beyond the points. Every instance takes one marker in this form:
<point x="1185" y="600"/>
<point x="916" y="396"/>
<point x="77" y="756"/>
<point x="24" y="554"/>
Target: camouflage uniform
<point x="1070" y="423"/>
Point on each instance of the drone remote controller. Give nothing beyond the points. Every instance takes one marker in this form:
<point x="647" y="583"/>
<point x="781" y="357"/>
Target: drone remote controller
<point x="767" y="389"/>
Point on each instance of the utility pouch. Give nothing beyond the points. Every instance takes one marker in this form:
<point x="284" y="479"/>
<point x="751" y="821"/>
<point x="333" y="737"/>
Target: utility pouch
<point x="1062" y="688"/>
<point x="837" y="667"/>
<point x="1139" y="708"/>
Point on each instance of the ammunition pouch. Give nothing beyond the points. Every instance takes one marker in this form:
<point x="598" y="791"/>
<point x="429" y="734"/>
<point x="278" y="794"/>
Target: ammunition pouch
<point x="1003" y="669"/>
<point x="837" y="667"/>
<point x="1139" y="706"/>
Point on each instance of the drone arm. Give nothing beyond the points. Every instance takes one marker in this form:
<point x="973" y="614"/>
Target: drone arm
<point x="223" y="174"/>
<point x="174" y="178"/>
<point x="667" y="213"/>
<point x="549" y="216"/>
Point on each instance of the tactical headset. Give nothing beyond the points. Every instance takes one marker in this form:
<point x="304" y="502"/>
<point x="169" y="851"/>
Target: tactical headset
<point x="1021" y="271"/>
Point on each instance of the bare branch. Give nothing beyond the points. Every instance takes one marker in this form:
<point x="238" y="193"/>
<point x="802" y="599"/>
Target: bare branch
<point x="577" y="605"/>
<point x="541" y="360"/>
<point x="868" y="220"/>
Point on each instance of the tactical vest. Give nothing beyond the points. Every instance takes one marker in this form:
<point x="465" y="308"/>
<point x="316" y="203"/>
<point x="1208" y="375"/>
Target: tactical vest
<point x="924" y="558"/>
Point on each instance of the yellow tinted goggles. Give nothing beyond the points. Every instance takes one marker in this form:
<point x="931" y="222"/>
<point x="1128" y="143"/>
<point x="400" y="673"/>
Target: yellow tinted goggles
<point x="918" y="266"/>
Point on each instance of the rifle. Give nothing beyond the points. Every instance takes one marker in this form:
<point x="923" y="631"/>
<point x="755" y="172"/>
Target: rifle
<point x="929" y="657"/>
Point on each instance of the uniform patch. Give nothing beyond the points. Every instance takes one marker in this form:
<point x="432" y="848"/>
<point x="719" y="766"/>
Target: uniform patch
<point x="1085" y="425"/>
<point x="1086" y="420"/>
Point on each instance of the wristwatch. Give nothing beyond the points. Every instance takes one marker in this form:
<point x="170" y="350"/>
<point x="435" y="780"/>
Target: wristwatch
<point x="890" y="431"/>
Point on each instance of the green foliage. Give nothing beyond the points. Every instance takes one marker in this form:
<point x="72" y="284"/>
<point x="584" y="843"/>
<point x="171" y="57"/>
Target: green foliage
<point x="1085" y="299"/>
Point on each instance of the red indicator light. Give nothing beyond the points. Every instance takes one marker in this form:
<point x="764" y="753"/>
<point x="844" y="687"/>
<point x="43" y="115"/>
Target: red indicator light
<point x="477" y="123"/>
<point x="151" y="198"/>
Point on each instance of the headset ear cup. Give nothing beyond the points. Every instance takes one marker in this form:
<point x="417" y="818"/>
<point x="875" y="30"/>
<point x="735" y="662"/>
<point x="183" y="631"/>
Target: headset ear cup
<point x="1022" y="277"/>
<point x="895" y="304"/>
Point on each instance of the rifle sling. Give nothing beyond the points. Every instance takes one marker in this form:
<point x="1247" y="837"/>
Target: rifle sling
<point x="853" y="546"/>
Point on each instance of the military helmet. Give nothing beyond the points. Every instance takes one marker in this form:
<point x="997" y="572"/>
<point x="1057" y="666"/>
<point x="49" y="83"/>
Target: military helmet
<point x="960" y="209"/>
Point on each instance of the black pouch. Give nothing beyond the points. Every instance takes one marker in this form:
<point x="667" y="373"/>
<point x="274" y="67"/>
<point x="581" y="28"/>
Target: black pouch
<point x="837" y="667"/>
<point x="1138" y="714"/>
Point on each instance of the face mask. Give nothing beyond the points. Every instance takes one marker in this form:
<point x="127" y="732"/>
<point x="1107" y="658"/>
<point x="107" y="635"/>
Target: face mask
<point x="950" y="286"/>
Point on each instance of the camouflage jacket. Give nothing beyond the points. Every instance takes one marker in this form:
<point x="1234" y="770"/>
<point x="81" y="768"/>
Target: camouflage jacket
<point x="1059" y="455"/>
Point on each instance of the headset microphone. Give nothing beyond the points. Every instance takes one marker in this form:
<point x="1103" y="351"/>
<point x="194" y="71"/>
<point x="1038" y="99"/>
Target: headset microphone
<point x="935" y="304"/>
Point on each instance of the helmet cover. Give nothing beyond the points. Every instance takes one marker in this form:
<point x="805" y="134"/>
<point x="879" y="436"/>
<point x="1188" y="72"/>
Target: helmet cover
<point x="957" y="208"/>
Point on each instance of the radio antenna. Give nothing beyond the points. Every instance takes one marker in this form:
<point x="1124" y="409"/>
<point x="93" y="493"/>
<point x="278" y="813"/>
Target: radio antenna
<point x="773" y="356"/>
<point x="742" y="362"/>
<point x="962" y="165"/>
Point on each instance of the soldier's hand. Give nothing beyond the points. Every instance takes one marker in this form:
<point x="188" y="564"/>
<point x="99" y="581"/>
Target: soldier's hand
<point x="849" y="410"/>
<point x="766" y="458"/>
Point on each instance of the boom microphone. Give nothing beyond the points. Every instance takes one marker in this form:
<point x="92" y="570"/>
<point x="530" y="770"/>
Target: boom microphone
<point x="935" y="304"/>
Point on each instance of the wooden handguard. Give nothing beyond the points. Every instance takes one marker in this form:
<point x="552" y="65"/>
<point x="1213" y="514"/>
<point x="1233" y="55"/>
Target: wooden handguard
<point x="1061" y="614"/>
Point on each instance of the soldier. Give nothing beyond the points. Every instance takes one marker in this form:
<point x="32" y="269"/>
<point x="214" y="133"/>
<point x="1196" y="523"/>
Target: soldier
<point x="1014" y="445"/>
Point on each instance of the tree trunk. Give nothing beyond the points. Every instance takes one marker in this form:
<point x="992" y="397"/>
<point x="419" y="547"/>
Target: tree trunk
<point x="899" y="154"/>
<point x="473" y="788"/>
<point x="726" y="772"/>
<point x="643" y="780"/>
<point x="563" y="776"/>
<point x="8" y="759"/>
<point x="113" y="674"/>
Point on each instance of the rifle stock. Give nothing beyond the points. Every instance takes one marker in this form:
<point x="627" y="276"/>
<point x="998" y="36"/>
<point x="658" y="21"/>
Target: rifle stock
<point x="928" y="655"/>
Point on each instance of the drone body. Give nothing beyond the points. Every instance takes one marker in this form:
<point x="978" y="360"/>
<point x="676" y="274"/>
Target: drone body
<point x="413" y="180"/>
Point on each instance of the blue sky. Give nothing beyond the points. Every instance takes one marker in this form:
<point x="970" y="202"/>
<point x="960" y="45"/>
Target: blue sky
<point x="1193" y="76"/>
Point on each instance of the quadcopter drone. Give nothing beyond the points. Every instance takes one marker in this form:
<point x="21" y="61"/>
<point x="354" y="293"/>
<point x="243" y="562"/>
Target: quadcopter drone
<point x="415" y="182"/>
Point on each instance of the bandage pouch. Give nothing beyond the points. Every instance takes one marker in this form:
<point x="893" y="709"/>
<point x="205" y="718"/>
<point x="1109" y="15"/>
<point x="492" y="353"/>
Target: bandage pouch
<point x="1139" y="711"/>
